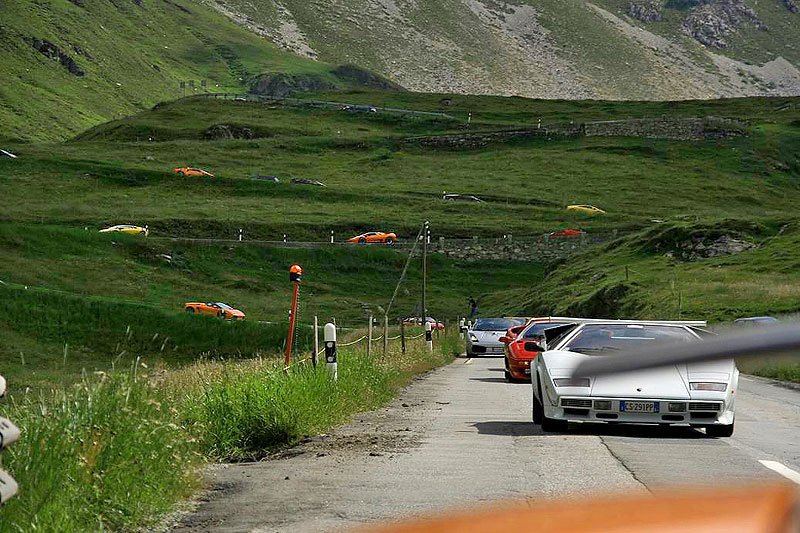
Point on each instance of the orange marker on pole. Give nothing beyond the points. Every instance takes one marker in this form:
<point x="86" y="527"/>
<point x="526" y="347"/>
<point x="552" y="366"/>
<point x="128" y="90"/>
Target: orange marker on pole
<point x="295" y="273"/>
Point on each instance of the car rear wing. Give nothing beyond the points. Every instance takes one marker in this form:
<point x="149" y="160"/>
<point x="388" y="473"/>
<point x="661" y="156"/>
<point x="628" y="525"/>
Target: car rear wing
<point x="576" y="320"/>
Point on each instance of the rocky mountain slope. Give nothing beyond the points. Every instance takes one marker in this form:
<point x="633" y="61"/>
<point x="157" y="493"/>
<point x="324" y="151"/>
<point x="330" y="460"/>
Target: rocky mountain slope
<point x="71" y="64"/>
<point x="611" y="49"/>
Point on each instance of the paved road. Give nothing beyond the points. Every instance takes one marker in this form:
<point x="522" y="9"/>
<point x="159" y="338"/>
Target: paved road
<point x="462" y="435"/>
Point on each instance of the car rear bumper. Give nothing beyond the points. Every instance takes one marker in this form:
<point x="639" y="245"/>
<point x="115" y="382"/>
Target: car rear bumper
<point x="519" y="368"/>
<point x="585" y="409"/>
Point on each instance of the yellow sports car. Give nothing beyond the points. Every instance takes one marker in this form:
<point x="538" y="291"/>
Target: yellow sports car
<point x="126" y="228"/>
<point x="591" y="209"/>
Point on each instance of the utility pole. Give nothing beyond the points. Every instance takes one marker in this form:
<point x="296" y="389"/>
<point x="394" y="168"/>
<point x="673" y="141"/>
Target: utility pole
<point x="425" y="237"/>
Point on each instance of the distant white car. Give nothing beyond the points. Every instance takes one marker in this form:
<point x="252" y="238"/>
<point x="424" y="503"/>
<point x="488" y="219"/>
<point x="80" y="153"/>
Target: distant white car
<point x="484" y="335"/>
<point x="698" y="394"/>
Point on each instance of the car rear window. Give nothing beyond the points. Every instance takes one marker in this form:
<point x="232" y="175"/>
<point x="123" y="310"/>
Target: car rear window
<point x="536" y="331"/>
<point x="596" y="339"/>
<point x="496" y="324"/>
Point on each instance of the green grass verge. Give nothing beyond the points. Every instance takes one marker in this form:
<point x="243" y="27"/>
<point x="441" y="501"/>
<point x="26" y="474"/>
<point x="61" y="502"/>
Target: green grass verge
<point x="105" y="455"/>
<point x="116" y="451"/>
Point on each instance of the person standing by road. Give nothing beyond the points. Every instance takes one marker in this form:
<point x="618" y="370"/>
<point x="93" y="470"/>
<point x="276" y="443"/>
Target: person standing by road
<point x="473" y="307"/>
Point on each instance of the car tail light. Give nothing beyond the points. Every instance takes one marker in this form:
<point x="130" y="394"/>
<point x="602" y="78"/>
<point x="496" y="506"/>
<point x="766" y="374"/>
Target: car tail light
<point x="710" y="386"/>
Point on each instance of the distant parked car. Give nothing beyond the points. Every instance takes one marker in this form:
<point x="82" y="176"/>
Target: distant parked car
<point x="373" y="237"/>
<point x="466" y="197"/>
<point x="414" y="321"/>
<point x="565" y="233"/>
<point x="130" y="229"/>
<point x="224" y="311"/>
<point x="484" y="335"/>
<point x="273" y="179"/>
<point x="192" y="171"/>
<point x="304" y="181"/>
<point x="756" y="321"/>
<point x="591" y="209"/>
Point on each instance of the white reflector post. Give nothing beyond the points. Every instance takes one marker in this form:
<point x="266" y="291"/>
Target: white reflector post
<point x="428" y="335"/>
<point x="8" y="487"/>
<point x="329" y="338"/>
<point x="9" y="433"/>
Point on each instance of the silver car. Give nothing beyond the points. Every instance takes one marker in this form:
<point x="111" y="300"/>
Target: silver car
<point x="483" y="338"/>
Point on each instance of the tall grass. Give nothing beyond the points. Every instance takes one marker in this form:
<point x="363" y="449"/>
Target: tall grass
<point x="115" y="451"/>
<point x="244" y="409"/>
<point x="104" y="455"/>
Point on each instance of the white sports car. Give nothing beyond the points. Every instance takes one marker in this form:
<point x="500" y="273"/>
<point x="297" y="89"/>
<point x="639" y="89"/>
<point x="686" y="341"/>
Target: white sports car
<point x="698" y="394"/>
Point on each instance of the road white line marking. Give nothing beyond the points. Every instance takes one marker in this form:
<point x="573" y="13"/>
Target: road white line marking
<point x="468" y="361"/>
<point x="783" y="470"/>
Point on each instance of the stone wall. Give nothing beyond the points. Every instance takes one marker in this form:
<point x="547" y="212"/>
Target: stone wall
<point x="538" y="249"/>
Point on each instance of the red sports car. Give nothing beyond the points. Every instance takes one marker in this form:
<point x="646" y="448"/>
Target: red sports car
<point x="527" y="344"/>
<point x="565" y="233"/>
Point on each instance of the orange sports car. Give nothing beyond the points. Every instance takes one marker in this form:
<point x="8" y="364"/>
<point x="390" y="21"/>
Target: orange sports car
<point x="191" y="171"/>
<point x="373" y="236"/>
<point x="224" y="311"/>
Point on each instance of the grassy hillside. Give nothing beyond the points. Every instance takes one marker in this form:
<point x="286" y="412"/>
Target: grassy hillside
<point x="131" y="54"/>
<point x="377" y="177"/>
<point x="653" y="274"/>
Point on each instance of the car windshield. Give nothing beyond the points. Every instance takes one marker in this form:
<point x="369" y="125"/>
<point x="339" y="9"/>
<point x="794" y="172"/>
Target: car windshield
<point x="536" y="331"/>
<point x="223" y="306"/>
<point x="496" y="324"/>
<point x="596" y="339"/>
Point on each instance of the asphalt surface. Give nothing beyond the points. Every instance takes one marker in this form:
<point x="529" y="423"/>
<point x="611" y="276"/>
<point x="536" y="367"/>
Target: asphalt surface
<point x="461" y="435"/>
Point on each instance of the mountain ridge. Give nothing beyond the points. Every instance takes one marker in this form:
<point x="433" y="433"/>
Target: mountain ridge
<point x="575" y="49"/>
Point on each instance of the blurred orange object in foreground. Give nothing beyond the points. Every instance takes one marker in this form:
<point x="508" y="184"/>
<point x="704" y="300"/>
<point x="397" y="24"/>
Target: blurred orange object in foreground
<point x="752" y="509"/>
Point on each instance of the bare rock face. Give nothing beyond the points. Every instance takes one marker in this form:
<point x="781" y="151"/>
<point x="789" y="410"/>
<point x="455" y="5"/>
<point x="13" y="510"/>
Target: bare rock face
<point x="51" y="51"/>
<point x="646" y="10"/>
<point x="715" y="20"/>
<point x="791" y="6"/>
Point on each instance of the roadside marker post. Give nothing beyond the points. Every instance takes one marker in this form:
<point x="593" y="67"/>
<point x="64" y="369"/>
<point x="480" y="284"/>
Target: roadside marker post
<point x="331" y="236"/>
<point x="369" y="337"/>
<point x="240" y="234"/>
<point x="9" y="434"/>
<point x="385" y="334"/>
<point x="402" y="337"/>
<point x="316" y="342"/>
<point x="330" y="350"/>
<point x="295" y="273"/>
<point x="428" y="336"/>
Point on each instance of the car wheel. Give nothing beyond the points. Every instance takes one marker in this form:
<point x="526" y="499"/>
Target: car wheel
<point x="551" y="425"/>
<point x="221" y="314"/>
<point x="181" y="173"/>
<point x="362" y="240"/>
<point x="190" y="310"/>
<point x="537" y="412"/>
<point x="508" y="376"/>
<point x="723" y="431"/>
<point x="143" y="233"/>
<point x="388" y="240"/>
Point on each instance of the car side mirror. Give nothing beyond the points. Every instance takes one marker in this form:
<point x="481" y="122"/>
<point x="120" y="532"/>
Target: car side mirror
<point x="531" y="346"/>
<point x="504" y="339"/>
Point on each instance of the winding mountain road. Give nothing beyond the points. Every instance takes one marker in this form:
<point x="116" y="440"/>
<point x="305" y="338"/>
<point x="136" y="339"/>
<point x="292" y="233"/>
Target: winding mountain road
<point x="461" y="435"/>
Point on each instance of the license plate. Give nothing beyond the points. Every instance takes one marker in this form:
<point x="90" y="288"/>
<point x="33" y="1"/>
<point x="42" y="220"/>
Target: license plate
<point x="639" y="407"/>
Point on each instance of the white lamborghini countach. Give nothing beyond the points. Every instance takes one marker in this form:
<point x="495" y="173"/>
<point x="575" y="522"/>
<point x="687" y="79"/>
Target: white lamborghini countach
<point x="697" y="394"/>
